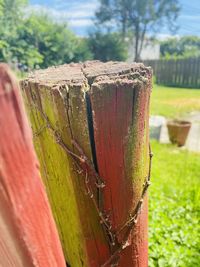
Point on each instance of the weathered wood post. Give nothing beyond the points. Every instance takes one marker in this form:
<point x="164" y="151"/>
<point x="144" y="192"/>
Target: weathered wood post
<point x="28" y="234"/>
<point x="90" y="126"/>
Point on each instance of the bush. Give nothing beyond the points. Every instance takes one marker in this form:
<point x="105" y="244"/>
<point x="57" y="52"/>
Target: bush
<point x="184" y="47"/>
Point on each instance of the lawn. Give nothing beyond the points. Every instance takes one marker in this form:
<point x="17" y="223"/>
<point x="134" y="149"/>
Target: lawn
<point x="174" y="226"/>
<point x="174" y="102"/>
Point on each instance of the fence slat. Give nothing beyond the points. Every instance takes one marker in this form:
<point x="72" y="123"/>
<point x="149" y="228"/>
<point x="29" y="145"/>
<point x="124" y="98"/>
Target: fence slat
<point x="28" y="235"/>
<point x="114" y="102"/>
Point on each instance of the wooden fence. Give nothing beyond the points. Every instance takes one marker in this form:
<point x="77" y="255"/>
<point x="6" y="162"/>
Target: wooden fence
<point x="180" y="73"/>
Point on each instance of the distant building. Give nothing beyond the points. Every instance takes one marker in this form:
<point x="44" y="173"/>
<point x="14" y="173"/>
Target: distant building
<point x="150" y="50"/>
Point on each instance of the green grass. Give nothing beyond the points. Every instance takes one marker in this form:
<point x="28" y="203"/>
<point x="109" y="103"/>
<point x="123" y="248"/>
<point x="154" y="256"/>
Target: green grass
<point x="174" y="225"/>
<point x="174" y="102"/>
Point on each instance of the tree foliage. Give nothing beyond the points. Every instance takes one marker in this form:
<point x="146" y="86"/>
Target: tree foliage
<point x="138" y="17"/>
<point x="107" y="46"/>
<point x="82" y="51"/>
<point x="51" y="42"/>
<point x="184" y="47"/>
<point x="35" y="40"/>
<point x="10" y="18"/>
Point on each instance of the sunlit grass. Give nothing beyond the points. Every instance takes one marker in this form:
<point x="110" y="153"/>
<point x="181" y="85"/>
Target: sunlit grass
<point x="174" y="226"/>
<point x="174" y="102"/>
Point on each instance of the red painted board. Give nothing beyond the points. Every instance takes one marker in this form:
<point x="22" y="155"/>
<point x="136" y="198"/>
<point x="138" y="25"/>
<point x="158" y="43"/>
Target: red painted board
<point x="120" y="115"/>
<point x="28" y="235"/>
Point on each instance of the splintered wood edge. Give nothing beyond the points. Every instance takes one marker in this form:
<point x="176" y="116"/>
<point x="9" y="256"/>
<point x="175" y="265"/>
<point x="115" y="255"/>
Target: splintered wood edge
<point x="89" y="72"/>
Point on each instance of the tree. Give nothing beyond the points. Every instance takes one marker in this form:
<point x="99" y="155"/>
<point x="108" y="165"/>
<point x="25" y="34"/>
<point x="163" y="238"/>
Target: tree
<point x="10" y="13"/>
<point x="35" y="40"/>
<point x="10" y="19"/>
<point x="183" y="47"/>
<point x="82" y="50"/>
<point x="108" y="46"/>
<point x="138" y="17"/>
<point x="53" y="41"/>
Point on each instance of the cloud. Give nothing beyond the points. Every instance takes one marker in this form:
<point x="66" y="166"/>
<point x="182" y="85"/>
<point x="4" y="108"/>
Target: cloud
<point x="76" y="14"/>
<point x="80" y="22"/>
<point x="78" y="8"/>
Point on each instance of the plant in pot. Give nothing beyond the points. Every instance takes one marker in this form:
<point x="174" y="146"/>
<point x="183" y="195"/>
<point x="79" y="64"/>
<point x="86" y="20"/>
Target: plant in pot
<point x="178" y="131"/>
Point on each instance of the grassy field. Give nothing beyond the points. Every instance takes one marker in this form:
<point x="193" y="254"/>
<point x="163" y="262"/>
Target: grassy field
<point x="174" y="102"/>
<point x="174" y="226"/>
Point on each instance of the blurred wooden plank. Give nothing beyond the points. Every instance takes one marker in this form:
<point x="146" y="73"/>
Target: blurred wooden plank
<point x="28" y="235"/>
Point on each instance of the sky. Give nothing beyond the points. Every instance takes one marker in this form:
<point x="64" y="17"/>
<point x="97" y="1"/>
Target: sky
<point x="80" y="13"/>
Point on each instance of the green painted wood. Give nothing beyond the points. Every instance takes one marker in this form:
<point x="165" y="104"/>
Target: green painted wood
<point x="64" y="104"/>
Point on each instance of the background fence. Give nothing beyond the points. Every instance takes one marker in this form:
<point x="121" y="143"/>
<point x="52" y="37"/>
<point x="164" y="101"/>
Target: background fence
<point x="181" y="72"/>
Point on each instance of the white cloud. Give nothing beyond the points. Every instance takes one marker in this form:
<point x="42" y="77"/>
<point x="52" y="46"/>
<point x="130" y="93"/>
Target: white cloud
<point x="80" y="22"/>
<point x="77" y="15"/>
<point x="87" y="8"/>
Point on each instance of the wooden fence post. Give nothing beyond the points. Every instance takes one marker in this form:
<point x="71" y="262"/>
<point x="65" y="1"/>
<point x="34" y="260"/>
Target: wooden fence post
<point x="90" y="124"/>
<point x="28" y="234"/>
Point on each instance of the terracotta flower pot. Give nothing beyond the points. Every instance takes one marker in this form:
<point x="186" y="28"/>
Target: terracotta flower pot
<point x="178" y="131"/>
